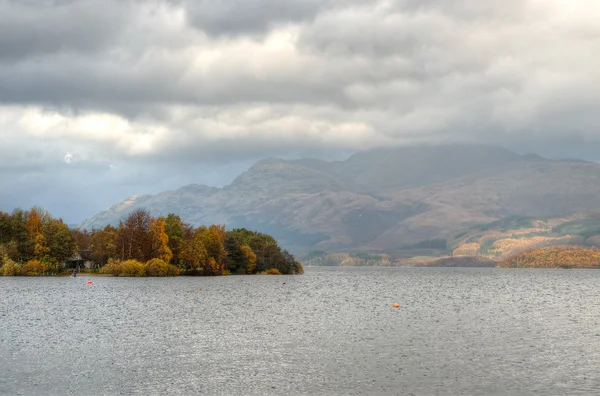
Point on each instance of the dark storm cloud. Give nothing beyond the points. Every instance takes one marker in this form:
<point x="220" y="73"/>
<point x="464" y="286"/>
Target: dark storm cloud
<point x="105" y="98"/>
<point x="37" y="28"/>
<point x="238" y="17"/>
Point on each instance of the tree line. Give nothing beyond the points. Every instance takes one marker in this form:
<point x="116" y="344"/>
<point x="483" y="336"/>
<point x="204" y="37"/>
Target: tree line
<point x="33" y="241"/>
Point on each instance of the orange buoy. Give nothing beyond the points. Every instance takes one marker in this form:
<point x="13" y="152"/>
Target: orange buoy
<point x="89" y="282"/>
<point x="396" y="305"/>
<point x="200" y="289"/>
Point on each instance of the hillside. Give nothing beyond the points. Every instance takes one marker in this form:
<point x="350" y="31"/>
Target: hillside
<point x="381" y="200"/>
<point x="555" y="257"/>
<point x="513" y="235"/>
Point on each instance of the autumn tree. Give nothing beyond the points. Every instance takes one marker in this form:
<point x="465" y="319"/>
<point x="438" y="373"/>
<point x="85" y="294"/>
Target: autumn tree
<point x="83" y="238"/>
<point x="35" y="243"/>
<point x="215" y="248"/>
<point x="160" y="240"/>
<point x="9" y="250"/>
<point x="9" y="246"/>
<point x="103" y="245"/>
<point x="194" y="253"/>
<point x="249" y="259"/>
<point x="134" y="236"/>
<point x="35" y="232"/>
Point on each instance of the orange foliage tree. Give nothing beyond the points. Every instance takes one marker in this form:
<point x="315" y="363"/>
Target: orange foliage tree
<point x="160" y="240"/>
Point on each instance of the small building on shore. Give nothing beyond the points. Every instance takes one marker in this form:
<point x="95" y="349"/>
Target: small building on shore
<point x="81" y="259"/>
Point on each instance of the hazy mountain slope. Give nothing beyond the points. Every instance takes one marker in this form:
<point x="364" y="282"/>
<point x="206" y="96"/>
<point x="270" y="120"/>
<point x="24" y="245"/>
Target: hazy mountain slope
<point x="185" y="201"/>
<point x="536" y="189"/>
<point x="380" y="199"/>
<point x="379" y="170"/>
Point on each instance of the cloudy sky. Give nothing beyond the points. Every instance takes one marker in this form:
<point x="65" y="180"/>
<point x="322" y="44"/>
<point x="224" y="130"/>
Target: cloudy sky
<point x="103" y="99"/>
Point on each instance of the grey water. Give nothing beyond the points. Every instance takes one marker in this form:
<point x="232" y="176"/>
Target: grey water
<point x="332" y="331"/>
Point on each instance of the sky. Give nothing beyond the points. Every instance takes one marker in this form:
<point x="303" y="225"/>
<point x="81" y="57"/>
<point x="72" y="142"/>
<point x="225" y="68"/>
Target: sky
<point x="104" y="99"/>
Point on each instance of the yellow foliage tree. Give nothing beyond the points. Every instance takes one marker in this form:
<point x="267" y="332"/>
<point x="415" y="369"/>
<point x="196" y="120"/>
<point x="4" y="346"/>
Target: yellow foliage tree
<point x="160" y="240"/>
<point x="215" y="244"/>
<point x="194" y="252"/>
<point x="9" y="267"/>
<point x="35" y="232"/>
<point x="132" y="268"/>
<point x="212" y="267"/>
<point x="34" y="268"/>
<point x="250" y="257"/>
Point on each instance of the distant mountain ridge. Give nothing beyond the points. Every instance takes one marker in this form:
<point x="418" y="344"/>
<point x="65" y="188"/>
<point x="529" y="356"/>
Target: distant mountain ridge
<point x="380" y="199"/>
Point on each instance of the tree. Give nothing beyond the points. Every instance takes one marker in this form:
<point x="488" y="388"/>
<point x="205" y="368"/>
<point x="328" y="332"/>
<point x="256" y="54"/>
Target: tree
<point x="103" y="245"/>
<point x="5" y="228"/>
<point x="35" y="233"/>
<point x="83" y="238"/>
<point x="60" y="242"/>
<point x="290" y="263"/>
<point x="215" y="248"/>
<point x="235" y="261"/>
<point x="175" y="230"/>
<point x="10" y="250"/>
<point x="160" y="240"/>
<point x="250" y="258"/>
<point x="134" y="236"/>
<point x="194" y="253"/>
<point x="33" y="242"/>
<point x="20" y="235"/>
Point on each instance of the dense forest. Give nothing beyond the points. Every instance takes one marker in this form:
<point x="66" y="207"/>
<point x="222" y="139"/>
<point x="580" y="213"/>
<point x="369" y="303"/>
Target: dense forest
<point x="34" y="243"/>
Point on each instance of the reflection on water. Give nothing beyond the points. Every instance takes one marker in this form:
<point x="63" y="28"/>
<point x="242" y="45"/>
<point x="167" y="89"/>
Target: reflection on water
<point x="331" y="331"/>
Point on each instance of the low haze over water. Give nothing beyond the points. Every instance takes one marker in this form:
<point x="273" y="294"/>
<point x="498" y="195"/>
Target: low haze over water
<point x="332" y="331"/>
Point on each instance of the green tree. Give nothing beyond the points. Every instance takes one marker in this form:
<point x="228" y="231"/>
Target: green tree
<point x="235" y="261"/>
<point x="20" y="235"/>
<point x="175" y="230"/>
<point x="60" y="242"/>
<point x="5" y="228"/>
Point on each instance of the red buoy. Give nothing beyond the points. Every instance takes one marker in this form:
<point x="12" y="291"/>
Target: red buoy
<point x="89" y="282"/>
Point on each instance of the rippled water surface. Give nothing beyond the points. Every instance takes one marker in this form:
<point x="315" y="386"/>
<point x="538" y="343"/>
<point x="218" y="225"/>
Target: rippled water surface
<point x="332" y="331"/>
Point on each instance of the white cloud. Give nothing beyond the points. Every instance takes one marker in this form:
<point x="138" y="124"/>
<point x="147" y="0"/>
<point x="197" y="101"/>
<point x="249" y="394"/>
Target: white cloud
<point x="174" y="83"/>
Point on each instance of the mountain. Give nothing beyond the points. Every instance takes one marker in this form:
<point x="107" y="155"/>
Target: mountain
<point x="383" y="199"/>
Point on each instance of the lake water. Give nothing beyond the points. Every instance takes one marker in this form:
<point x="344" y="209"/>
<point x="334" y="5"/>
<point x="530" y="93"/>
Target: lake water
<point x="332" y="331"/>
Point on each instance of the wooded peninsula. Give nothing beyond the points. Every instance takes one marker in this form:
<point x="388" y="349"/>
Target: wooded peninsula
<point x="33" y="243"/>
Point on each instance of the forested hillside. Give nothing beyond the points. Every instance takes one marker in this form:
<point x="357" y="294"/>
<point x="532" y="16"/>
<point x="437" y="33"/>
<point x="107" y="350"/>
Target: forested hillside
<point x="34" y="243"/>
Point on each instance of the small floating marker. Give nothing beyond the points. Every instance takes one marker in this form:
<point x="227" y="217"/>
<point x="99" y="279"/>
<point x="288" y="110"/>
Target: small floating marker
<point x="284" y="283"/>
<point x="200" y="289"/>
<point x="89" y="282"/>
<point x="396" y="305"/>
